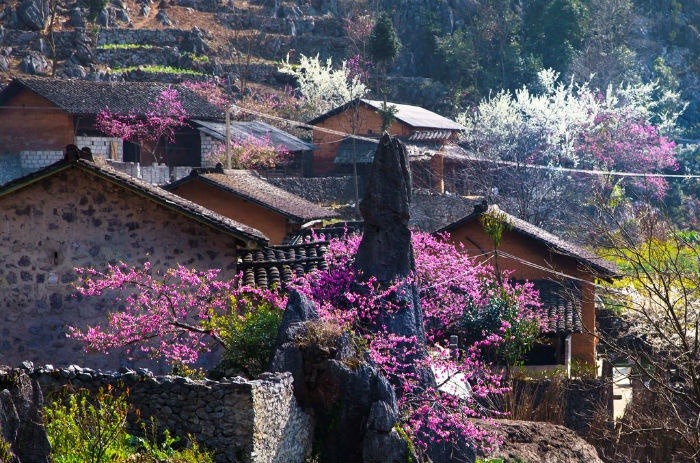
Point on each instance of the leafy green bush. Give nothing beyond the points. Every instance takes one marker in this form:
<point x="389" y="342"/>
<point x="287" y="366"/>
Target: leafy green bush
<point x="87" y="429"/>
<point x="249" y="335"/>
<point x="125" y="46"/>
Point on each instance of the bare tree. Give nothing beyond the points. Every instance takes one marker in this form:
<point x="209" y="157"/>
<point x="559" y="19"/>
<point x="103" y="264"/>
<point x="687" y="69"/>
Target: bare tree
<point x="657" y="307"/>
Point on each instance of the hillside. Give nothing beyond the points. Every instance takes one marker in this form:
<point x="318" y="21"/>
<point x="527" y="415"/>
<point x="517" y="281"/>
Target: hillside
<point x="454" y="52"/>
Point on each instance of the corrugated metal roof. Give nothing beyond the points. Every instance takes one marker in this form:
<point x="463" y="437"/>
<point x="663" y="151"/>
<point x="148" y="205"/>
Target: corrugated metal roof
<point x="241" y="130"/>
<point x="418" y="117"/>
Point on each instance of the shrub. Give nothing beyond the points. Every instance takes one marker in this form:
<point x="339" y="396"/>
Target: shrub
<point x="87" y="429"/>
<point x="249" y="333"/>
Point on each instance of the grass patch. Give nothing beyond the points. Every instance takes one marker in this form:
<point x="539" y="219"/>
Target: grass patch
<point x="124" y="46"/>
<point x="155" y="69"/>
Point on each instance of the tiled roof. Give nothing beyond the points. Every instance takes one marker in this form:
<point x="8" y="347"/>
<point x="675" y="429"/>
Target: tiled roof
<point x="240" y="130"/>
<point x="83" y="97"/>
<point x="414" y="116"/>
<point x="250" y="236"/>
<point x="337" y="231"/>
<point x="277" y="266"/>
<point x="248" y="185"/>
<point x="517" y="225"/>
<point x="562" y="301"/>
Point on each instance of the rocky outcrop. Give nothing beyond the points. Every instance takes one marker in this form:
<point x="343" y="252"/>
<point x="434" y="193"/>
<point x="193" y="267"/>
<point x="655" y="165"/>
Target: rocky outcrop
<point x="35" y="63"/>
<point x="353" y="405"/>
<point x="20" y="417"/>
<point x="34" y="14"/>
<point x="540" y="442"/>
<point x="385" y="251"/>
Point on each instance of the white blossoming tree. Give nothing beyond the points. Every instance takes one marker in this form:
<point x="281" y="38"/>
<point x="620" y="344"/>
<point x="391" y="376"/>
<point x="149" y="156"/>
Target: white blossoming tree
<point x="568" y="125"/>
<point x="322" y="86"/>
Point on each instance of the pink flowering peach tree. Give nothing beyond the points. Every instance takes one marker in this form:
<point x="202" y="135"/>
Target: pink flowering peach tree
<point x="166" y="115"/>
<point x="251" y="153"/>
<point x="453" y="289"/>
<point x="175" y="316"/>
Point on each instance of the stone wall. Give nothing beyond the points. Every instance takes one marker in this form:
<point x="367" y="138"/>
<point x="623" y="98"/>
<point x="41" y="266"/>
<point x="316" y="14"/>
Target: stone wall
<point x="255" y="421"/>
<point x="208" y="145"/>
<point x="322" y="190"/>
<point x="77" y="219"/>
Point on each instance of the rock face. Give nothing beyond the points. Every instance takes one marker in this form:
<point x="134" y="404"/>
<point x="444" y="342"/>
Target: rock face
<point x="34" y="14"/>
<point x="35" y="63"/>
<point x="385" y="251"/>
<point x="541" y="442"/>
<point x="354" y="407"/>
<point x="20" y="418"/>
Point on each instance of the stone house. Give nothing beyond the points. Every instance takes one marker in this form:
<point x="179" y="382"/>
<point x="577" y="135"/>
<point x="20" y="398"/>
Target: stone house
<point x="244" y="196"/>
<point x="424" y="132"/>
<point x="40" y="116"/>
<point x="563" y="272"/>
<point x="81" y="214"/>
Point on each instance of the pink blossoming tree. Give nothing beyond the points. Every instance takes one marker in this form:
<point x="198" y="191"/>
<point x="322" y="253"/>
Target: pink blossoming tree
<point x="453" y="289"/>
<point x="175" y="315"/>
<point x="160" y="122"/>
<point x="251" y="153"/>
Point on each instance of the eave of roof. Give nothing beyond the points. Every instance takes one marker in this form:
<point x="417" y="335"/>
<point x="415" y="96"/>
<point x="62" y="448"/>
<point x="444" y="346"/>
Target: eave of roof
<point x="249" y="186"/>
<point x="249" y="236"/>
<point x="598" y="264"/>
<point x="414" y="116"/>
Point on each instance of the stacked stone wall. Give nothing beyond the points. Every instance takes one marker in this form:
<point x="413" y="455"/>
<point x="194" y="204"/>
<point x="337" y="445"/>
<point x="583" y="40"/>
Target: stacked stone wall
<point x="254" y="421"/>
<point x="75" y="219"/>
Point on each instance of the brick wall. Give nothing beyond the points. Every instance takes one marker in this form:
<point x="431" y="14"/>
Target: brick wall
<point x="76" y="219"/>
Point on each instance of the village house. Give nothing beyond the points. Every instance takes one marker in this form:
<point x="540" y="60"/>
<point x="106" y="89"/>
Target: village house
<point x="296" y="151"/>
<point x="429" y="139"/>
<point x="564" y="274"/>
<point x="84" y="214"/>
<point x="244" y="196"/>
<point x="40" y="116"/>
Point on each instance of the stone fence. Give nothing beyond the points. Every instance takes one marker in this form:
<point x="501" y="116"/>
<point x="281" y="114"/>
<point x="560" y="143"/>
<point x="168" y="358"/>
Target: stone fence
<point x="241" y="420"/>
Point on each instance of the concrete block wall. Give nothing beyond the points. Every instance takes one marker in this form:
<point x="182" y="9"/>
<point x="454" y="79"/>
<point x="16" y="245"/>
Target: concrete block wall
<point x="34" y="160"/>
<point x="208" y="146"/>
<point x="157" y="175"/>
<point x="100" y="146"/>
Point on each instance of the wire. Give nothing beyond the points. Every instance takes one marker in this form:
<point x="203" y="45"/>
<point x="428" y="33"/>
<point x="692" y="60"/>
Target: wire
<point x="474" y="158"/>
